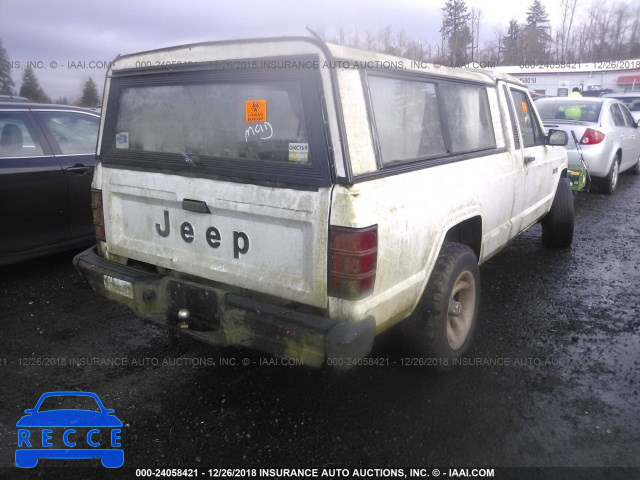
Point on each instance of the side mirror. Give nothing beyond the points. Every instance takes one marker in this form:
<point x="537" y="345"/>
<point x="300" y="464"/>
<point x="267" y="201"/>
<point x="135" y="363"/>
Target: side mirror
<point x="557" y="138"/>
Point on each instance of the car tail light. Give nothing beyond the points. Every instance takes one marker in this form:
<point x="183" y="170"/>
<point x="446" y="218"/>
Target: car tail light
<point x="98" y="215"/>
<point x="353" y="257"/>
<point x="591" y="137"/>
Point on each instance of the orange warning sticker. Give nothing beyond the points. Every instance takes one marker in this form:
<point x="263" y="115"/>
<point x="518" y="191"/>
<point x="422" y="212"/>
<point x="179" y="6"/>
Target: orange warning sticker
<point x="256" y="110"/>
<point x="525" y="109"/>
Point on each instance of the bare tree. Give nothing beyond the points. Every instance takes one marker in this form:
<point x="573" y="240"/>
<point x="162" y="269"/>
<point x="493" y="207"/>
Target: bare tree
<point x="370" y="41"/>
<point x="634" y="36"/>
<point x="568" y="9"/>
<point x="618" y="29"/>
<point x="476" y="16"/>
<point x="385" y="40"/>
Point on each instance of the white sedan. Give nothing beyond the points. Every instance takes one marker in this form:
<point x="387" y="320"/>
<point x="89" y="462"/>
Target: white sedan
<point x="608" y="134"/>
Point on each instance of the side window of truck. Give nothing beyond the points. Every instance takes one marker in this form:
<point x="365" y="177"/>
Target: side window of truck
<point x="532" y="133"/>
<point x="407" y="117"/>
<point x="410" y="123"/>
<point x="468" y="117"/>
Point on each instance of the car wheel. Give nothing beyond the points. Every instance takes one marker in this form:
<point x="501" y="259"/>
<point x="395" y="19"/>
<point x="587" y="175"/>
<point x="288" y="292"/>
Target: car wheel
<point x="557" y="225"/>
<point x="610" y="182"/>
<point x="446" y="318"/>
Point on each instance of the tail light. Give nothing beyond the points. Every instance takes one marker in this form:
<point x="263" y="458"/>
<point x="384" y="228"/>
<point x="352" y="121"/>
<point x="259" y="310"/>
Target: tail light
<point x="591" y="137"/>
<point x="353" y="256"/>
<point x="98" y="215"/>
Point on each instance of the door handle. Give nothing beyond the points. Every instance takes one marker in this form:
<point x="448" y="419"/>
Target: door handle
<point x="78" y="169"/>
<point x="528" y="160"/>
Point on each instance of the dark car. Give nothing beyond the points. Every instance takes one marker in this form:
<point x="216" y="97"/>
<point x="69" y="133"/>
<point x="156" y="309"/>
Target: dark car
<point x="47" y="156"/>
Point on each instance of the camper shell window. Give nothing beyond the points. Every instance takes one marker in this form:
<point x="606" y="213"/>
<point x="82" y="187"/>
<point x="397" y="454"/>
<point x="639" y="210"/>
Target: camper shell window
<point x="245" y="124"/>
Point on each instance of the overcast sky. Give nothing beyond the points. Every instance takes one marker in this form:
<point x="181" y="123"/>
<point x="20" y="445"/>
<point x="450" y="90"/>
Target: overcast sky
<point x="56" y="32"/>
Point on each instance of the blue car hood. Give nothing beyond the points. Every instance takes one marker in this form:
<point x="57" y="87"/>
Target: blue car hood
<point x="69" y="418"/>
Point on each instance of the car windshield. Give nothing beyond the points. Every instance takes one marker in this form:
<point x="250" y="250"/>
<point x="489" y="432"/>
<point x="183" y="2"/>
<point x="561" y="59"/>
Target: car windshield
<point x="575" y="109"/>
<point x="69" y="402"/>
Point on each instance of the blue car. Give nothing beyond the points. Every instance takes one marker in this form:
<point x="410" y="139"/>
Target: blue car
<point x="51" y="420"/>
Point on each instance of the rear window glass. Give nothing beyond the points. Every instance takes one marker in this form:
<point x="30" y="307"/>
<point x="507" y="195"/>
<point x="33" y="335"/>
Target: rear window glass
<point x="569" y="109"/>
<point x="235" y="120"/>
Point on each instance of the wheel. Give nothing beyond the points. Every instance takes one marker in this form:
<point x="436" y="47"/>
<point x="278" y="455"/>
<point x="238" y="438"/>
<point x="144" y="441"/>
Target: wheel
<point x="557" y="225"/>
<point x="636" y="168"/>
<point x="443" y="326"/>
<point x="610" y="182"/>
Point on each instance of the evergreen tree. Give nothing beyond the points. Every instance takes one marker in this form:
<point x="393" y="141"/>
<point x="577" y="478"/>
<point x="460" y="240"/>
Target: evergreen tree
<point x="455" y="28"/>
<point x="31" y="88"/>
<point x="512" y="44"/>
<point x="537" y="36"/>
<point x="90" y="97"/>
<point x="6" y="82"/>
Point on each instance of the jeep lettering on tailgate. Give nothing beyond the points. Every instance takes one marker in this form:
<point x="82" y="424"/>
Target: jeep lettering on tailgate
<point x="212" y="235"/>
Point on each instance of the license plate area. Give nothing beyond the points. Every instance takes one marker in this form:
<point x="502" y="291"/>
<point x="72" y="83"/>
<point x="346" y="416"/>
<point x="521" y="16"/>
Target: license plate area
<point x="201" y="303"/>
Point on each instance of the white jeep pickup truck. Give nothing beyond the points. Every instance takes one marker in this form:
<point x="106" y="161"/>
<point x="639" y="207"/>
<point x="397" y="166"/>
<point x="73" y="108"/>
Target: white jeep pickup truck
<point x="299" y="198"/>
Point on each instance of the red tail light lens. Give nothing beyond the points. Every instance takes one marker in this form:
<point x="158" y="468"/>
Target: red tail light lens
<point x="353" y="256"/>
<point x="591" y="137"/>
<point x="98" y="215"/>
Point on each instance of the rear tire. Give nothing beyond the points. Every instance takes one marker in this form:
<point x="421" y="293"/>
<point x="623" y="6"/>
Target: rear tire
<point x="558" y="224"/>
<point x="610" y="182"/>
<point x="444" y="322"/>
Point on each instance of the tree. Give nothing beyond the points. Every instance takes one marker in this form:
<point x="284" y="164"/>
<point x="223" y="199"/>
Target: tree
<point x="568" y="8"/>
<point x="536" y="34"/>
<point x="512" y="44"/>
<point x="6" y="82"/>
<point x="455" y="29"/>
<point x="31" y="87"/>
<point x="90" y="97"/>
<point x="476" y="16"/>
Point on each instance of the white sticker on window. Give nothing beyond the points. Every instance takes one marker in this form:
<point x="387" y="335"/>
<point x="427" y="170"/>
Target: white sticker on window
<point x="122" y="140"/>
<point x="299" y="152"/>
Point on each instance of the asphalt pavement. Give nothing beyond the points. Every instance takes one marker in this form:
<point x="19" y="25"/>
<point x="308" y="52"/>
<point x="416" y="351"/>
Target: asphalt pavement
<point x="552" y="379"/>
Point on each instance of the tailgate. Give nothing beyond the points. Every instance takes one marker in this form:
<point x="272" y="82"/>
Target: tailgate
<point x="222" y="174"/>
<point x="271" y="240"/>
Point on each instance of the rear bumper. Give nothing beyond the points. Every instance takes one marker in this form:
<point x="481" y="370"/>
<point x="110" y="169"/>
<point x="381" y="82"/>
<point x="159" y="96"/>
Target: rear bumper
<point x="223" y="318"/>
<point x="596" y="158"/>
